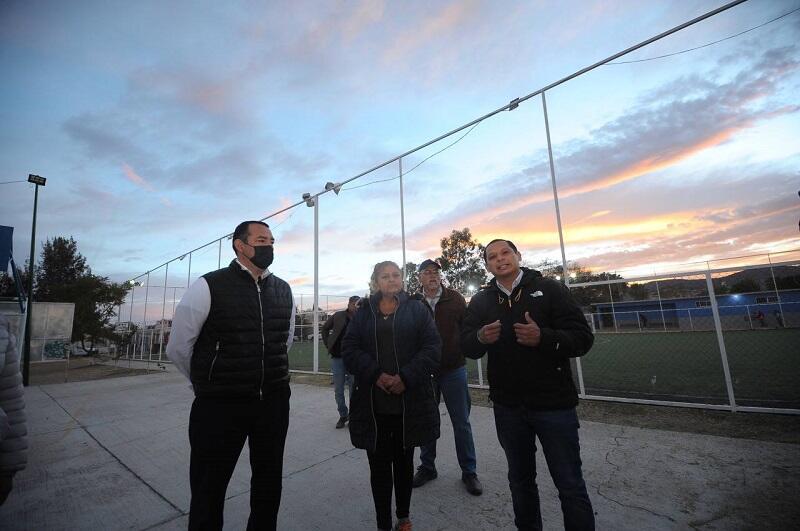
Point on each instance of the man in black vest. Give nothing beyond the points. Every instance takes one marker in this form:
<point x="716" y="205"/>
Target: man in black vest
<point x="230" y="336"/>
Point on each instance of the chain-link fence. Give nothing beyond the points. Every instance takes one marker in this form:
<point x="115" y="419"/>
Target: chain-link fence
<point x="711" y="340"/>
<point x="684" y="337"/>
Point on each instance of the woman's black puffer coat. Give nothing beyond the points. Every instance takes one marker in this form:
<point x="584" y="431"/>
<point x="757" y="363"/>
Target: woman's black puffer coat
<point x="418" y="349"/>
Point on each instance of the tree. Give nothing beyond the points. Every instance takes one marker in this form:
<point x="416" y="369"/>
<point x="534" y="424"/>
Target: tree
<point x="123" y="338"/>
<point x="8" y="287"/>
<point x="412" y="284"/>
<point x="62" y="275"/>
<point x="60" y="266"/>
<point x="462" y="260"/>
<point x="745" y="285"/>
<point x="96" y="300"/>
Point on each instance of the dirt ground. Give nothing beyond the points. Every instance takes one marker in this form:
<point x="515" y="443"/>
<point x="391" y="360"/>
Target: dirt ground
<point x="80" y="370"/>
<point x="758" y="426"/>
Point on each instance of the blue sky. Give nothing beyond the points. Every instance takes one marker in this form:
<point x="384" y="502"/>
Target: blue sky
<point x="160" y="125"/>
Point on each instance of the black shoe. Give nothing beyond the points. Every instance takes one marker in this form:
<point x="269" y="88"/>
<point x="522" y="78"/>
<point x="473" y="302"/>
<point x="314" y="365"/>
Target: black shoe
<point x="473" y="484"/>
<point x="423" y="476"/>
<point x="341" y="422"/>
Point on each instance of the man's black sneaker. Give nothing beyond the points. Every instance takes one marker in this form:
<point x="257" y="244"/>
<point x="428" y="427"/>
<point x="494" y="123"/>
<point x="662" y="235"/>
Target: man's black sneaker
<point x="341" y="422"/>
<point x="473" y="484"/>
<point x="423" y="476"/>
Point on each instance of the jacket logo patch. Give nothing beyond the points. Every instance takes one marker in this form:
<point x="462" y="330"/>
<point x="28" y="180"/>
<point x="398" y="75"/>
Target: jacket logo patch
<point x="537" y="294"/>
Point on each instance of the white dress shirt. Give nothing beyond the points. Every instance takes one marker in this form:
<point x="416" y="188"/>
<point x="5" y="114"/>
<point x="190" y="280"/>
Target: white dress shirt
<point x="189" y="318"/>
<point x="513" y="284"/>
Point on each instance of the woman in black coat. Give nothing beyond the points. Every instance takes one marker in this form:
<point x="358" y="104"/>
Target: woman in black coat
<point x="392" y="348"/>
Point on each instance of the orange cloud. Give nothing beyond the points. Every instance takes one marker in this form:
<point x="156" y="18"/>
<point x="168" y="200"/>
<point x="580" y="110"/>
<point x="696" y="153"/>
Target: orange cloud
<point x="447" y="20"/>
<point x="300" y="281"/>
<point x="136" y="179"/>
<point x="631" y="172"/>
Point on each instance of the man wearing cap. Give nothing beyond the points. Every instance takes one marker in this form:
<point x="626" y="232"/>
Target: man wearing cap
<point x="448" y="307"/>
<point x="531" y="327"/>
<point x="332" y="334"/>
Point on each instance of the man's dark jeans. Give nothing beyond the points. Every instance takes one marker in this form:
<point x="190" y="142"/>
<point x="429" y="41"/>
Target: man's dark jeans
<point x="557" y="431"/>
<point x="452" y="386"/>
<point x="217" y="431"/>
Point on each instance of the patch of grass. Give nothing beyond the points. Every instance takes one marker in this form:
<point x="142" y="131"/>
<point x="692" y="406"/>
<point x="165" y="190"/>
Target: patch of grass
<point x="677" y="366"/>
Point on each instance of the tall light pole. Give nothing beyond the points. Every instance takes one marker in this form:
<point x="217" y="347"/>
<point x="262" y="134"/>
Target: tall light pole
<point x="37" y="181"/>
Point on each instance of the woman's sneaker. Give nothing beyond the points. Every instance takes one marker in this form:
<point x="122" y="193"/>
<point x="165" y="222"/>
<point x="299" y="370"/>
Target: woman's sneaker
<point x="404" y="524"/>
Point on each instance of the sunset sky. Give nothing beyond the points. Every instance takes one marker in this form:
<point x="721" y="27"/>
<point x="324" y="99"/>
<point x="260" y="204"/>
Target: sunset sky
<point x="161" y="125"/>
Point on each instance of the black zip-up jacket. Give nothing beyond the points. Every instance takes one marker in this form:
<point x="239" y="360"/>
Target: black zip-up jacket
<point x="417" y="347"/>
<point x="538" y="377"/>
<point x="241" y="349"/>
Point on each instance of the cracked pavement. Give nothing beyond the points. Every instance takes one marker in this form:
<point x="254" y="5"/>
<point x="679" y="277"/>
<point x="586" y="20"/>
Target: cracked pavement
<point x="114" y="454"/>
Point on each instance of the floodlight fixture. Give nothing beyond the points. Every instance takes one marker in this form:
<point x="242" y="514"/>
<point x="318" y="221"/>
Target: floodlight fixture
<point x="308" y="199"/>
<point x="336" y="187"/>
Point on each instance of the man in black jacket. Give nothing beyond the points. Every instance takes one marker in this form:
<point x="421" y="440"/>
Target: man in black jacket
<point x="332" y="334"/>
<point x="531" y="327"/>
<point x="230" y="336"/>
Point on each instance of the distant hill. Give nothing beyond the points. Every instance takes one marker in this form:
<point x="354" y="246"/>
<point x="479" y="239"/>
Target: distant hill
<point x="785" y="276"/>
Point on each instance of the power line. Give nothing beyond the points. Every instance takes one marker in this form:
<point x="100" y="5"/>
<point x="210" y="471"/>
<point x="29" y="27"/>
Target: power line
<point x="704" y="45"/>
<point x="9" y="182"/>
<point x="420" y="163"/>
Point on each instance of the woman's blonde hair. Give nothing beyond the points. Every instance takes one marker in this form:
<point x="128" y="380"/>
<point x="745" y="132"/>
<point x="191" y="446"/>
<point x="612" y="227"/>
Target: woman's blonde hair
<point x="373" y="279"/>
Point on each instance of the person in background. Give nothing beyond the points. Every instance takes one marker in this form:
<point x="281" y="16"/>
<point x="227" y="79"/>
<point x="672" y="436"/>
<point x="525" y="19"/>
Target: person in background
<point x="447" y="307"/>
<point x="531" y="327"/>
<point x="13" y="422"/>
<point x="231" y="335"/>
<point x="392" y="348"/>
<point x="332" y="334"/>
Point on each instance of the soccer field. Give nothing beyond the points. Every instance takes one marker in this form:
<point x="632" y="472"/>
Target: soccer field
<point x="675" y="366"/>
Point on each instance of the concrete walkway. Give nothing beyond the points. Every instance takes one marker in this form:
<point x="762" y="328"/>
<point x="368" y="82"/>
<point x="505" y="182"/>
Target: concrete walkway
<point x="114" y="454"/>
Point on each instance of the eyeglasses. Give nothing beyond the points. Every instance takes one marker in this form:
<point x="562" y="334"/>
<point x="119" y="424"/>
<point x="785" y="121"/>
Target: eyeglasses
<point x="430" y="272"/>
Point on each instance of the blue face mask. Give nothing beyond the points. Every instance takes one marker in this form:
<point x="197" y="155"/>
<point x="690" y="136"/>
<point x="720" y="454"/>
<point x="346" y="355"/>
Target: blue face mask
<point x="263" y="257"/>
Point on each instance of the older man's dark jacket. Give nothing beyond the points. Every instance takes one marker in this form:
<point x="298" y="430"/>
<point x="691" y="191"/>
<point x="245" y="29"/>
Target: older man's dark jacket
<point x="448" y="315"/>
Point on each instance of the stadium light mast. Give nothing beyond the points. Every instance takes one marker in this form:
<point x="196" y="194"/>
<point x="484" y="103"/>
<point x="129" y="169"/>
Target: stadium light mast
<point x="37" y="181"/>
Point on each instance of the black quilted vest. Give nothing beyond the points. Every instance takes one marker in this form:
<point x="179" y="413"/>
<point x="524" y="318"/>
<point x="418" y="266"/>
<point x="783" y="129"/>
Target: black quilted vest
<point x="241" y="349"/>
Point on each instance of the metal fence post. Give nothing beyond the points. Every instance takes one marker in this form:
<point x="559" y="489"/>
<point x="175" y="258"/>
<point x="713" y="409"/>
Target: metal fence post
<point x="189" y="274"/>
<point x="581" y="386"/>
<point x="402" y="218"/>
<point x="130" y="345"/>
<point x="721" y="341"/>
<point x="613" y="313"/>
<point x="315" y="308"/>
<point x="163" y="313"/>
<point x="777" y="293"/>
<point x="661" y="306"/>
<point x="564" y="273"/>
<point x="144" y="314"/>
